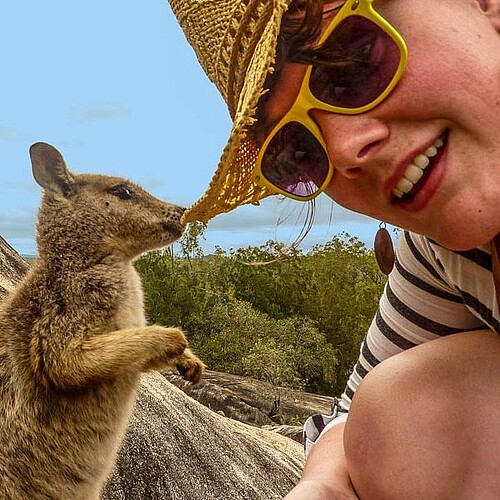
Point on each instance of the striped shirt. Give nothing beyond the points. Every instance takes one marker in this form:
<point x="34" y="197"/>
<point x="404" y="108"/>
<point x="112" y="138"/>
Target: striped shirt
<point x="432" y="292"/>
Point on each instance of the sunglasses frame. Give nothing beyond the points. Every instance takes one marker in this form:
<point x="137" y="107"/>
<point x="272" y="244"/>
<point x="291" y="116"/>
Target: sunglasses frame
<point x="305" y="100"/>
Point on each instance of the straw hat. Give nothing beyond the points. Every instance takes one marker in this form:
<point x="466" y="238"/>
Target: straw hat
<point x="235" y="42"/>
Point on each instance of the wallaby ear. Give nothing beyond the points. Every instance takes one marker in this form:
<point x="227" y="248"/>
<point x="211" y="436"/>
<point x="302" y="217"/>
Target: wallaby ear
<point x="49" y="169"/>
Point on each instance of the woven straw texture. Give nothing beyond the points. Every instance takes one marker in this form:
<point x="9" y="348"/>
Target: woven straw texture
<point x="235" y="43"/>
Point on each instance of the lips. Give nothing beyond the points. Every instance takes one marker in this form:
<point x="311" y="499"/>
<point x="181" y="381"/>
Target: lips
<point x="418" y="170"/>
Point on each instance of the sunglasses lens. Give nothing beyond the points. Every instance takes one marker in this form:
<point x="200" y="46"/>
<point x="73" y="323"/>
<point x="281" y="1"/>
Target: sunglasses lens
<point x="295" y="161"/>
<point x="359" y="62"/>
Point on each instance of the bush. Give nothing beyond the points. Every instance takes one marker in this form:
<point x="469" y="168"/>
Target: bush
<point x="291" y="353"/>
<point x="297" y="320"/>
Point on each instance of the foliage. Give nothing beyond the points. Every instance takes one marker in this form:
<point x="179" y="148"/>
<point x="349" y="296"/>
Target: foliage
<point x="241" y="340"/>
<point x="296" y="321"/>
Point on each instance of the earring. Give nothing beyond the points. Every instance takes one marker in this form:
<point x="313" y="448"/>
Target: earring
<point x="384" y="249"/>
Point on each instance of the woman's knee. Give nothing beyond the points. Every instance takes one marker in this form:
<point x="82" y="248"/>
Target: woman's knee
<point x="393" y="416"/>
<point x="410" y="431"/>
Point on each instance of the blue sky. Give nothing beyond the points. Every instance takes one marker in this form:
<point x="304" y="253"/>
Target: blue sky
<point x="117" y="89"/>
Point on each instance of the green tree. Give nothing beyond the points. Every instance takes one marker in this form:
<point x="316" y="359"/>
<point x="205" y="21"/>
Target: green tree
<point x="302" y="314"/>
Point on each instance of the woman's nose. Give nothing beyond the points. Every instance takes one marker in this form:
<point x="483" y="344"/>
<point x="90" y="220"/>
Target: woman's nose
<point x="352" y="141"/>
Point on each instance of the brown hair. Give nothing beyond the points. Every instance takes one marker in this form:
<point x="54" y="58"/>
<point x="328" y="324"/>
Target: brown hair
<point x="299" y="31"/>
<point x="300" y="27"/>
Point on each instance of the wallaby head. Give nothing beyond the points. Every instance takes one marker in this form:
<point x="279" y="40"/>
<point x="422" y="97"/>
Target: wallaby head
<point x="96" y="215"/>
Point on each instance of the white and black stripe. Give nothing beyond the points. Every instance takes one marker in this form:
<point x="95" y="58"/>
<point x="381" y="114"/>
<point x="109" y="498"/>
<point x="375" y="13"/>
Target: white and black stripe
<point x="431" y="292"/>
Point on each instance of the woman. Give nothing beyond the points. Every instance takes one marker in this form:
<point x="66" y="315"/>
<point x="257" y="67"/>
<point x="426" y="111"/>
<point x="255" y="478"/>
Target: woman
<point x="392" y="108"/>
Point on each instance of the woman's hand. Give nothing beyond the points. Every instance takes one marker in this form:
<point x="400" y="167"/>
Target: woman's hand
<point x="325" y="475"/>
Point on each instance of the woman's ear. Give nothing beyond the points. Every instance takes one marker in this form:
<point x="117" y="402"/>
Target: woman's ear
<point x="492" y="9"/>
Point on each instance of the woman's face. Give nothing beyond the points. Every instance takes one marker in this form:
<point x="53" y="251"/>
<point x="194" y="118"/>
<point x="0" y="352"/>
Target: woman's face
<point x="449" y="92"/>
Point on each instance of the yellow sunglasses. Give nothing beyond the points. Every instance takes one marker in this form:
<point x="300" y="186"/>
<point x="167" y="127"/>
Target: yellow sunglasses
<point x="372" y="56"/>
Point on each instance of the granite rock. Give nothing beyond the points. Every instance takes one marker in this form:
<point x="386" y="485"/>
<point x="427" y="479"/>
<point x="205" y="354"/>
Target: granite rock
<point x="176" y="448"/>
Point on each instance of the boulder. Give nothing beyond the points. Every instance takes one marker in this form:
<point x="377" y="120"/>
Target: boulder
<point x="176" y="448"/>
<point x="255" y="402"/>
<point x="12" y="267"/>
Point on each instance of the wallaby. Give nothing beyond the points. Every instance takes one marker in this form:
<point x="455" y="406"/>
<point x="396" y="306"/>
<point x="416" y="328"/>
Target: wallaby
<point x="73" y="335"/>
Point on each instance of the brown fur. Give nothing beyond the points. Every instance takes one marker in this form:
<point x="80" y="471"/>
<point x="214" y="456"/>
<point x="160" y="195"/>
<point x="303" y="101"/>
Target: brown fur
<point x="73" y="337"/>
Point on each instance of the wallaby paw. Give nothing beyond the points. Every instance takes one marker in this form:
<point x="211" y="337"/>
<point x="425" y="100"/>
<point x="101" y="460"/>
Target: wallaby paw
<point x="190" y="367"/>
<point x="172" y="344"/>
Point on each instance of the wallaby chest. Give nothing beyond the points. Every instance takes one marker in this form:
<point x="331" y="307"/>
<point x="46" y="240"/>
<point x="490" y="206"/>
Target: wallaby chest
<point x="130" y="308"/>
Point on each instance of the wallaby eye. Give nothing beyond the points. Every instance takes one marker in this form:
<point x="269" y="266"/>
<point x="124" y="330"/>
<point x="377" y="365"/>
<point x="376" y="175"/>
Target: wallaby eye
<point x="123" y="192"/>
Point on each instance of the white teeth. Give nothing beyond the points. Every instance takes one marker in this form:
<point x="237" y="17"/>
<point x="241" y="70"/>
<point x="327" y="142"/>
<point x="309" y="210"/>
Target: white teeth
<point x="415" y="170"/>
<point x="421" y="161"/>
<point x="404" y="185"/>
<point x="413" y="173"/>
<point x="430" y="152"/>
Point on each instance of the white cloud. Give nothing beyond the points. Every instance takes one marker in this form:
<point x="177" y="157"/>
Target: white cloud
<point x="99" y="112"/>
<point x="11" y="134"/>
<point x="19" y="187"/>
<point x="283" y="220"/>
<point x="275" y="212"/>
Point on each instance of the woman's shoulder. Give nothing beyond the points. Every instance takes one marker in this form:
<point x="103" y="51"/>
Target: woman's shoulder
<point x="466" y="271"/>
<point x="425" y="249"/>
<point x="419" y="255"/>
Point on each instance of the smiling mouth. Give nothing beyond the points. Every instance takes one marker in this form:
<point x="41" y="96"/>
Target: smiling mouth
<point x="418" y="170"/>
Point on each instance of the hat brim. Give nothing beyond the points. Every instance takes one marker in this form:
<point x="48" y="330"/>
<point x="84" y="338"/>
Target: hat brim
<point x="232" y="184"/>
